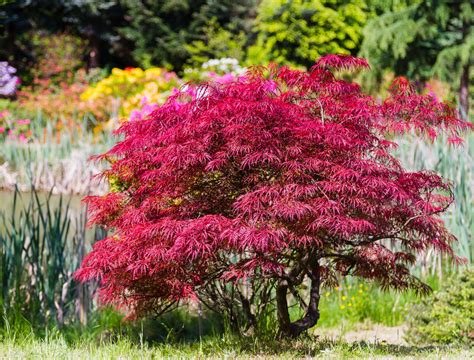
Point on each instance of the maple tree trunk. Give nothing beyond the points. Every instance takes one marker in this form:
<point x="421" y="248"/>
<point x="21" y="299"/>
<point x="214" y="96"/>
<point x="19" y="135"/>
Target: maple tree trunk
<point x="294" y="329"/>
<point x="249" y="316"/>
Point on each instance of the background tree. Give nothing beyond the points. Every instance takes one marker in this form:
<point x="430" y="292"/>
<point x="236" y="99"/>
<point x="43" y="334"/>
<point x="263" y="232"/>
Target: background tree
<point x="129" y="32"/>
<point x="283" y="177"/>
<point x="95" y="22"/>
<point x="162" y="30"/>
<point x="216" y="43"/>
<point x="298" y="32"/>
<point x="425" y="39"/>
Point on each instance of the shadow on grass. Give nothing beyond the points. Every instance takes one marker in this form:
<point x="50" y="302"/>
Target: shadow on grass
<point x="180" y="331"/>
<point x="312" y="346"/>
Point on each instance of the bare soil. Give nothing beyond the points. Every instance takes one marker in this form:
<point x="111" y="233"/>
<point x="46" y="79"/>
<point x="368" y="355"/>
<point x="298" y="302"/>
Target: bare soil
<point x="370" y="333"/>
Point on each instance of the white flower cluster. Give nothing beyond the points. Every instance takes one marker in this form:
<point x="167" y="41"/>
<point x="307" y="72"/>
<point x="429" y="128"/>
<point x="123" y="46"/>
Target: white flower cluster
<point x="226" y="65"/>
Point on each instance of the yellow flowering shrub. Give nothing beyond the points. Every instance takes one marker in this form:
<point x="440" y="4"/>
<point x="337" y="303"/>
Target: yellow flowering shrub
<point x="125" y="90"/>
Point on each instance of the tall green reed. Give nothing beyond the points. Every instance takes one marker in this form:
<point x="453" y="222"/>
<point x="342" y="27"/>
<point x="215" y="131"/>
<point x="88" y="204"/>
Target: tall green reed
<point x="457" y="165"/>
<point x="38" y="256"/>
<point x="55" y="158"/>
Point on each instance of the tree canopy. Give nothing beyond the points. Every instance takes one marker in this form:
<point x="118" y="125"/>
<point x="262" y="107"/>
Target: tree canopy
<point x="280" y="176"/>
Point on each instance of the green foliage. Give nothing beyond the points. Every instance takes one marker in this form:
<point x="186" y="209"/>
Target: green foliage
<point x="216" y="42"/>
<point x="41" y="245"/>
<point x="422" y="39"/>
<point x="122" y="33"/>
<point x="34" y="272"/>
<point x="162" y="30"/>
<point x="354" y="302"/>
<point x="448" y="316"/>
<point x="300" y="31"/>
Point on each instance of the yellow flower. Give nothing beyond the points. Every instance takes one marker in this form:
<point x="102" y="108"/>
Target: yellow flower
<point x="350" y="304"/>
<point x="327" y="293"/>
<point x="342" y="307"/>
<point x="131" y="87"/>
<point x="360" y="291"/>
<point x="344" y="298"/>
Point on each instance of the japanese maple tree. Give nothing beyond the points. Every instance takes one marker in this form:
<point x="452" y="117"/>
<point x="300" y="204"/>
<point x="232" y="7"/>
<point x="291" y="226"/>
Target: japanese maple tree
<point x="282" y="177"/>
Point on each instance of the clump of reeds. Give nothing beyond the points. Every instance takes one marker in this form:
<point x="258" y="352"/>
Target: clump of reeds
<point x="41" y="245"/>
<point x="457" y="165"/>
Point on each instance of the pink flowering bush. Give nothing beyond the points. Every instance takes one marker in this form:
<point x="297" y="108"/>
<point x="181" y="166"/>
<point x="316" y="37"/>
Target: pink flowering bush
<point x="14" y="129"/>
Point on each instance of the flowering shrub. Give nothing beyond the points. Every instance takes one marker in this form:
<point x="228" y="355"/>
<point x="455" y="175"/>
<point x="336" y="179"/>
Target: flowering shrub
<point x="14" y="129"/>
<point x="8" y="82"/>
<point x="58" y="57"/>
<point x="280" y="176"/>
<point x="128" y="89"/>
<point x="439" y="90"/>
<point x="63" y="100"/>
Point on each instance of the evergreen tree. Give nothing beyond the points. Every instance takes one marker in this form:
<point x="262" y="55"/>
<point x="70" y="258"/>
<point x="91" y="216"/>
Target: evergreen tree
<point x="300" y="31"/>
<point x="425" y="39"/>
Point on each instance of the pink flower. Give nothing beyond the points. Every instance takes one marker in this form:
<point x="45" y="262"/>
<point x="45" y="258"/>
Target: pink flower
<point x="4" y="113"/>
<point x="2" y="130"/>
<point x="135" y="115"/>
<point x="23" y="122"/>
<point x="224" y="79"/>
<point x="22" y="138"/>
<point x="270" y="86"/>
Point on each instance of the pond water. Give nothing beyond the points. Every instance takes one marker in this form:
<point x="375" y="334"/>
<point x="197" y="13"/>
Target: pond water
<point x="76" y="209"/>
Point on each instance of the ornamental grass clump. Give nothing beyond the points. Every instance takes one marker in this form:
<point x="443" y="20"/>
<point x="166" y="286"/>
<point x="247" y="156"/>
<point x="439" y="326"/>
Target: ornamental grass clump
<point x="265" y="189"/>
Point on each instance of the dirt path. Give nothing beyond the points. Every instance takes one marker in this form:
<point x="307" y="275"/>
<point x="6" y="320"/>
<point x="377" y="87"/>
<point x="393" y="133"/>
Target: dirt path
<point x="369" y="333"/>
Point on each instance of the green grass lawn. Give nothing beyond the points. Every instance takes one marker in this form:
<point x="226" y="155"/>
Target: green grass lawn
<point x="224" y="349"/>
<point x="357" y="321"/>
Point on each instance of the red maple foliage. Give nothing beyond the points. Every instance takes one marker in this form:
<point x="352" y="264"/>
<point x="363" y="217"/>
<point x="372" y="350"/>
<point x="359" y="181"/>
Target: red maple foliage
<point x="281" y="176"/>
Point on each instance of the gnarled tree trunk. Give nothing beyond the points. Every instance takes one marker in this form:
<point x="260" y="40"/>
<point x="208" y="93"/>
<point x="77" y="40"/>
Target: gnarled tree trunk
<point x="311" y="317"/>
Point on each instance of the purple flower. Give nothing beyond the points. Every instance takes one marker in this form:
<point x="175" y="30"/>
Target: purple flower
<point x="8" y="82"/>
